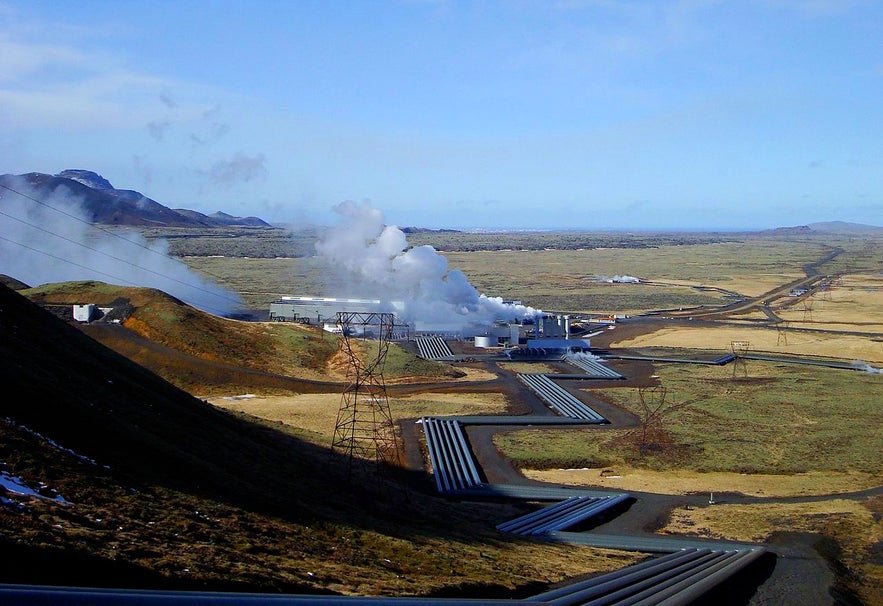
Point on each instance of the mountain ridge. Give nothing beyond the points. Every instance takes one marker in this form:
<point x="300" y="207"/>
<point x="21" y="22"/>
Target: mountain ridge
<point x="831" y="227"/>
<point x="104" y="204"/>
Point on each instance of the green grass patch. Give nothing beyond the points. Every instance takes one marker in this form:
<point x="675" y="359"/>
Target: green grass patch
<point x="402" y="363"/>
<point x="779" y="419"/>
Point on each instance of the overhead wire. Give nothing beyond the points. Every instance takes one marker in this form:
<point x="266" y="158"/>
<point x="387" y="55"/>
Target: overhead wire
<point x="43" y="252"/>
<point x="218" y="294"/>
<point x="94" y="225"/>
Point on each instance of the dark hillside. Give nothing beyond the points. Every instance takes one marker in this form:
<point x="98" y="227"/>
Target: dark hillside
<point x="138" y="484"/>
<point x="137" y="462"/>
<point x="62" y="384"/>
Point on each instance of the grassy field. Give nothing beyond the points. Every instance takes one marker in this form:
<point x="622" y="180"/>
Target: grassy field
<point x="844" y="346"/>
<point x="844" y="321"/>
<point x="566" y="273"/>
<point x="854" y="302"/>
<point x="313" y="416"/>
<point x="780" y="431"/>
<point x="773" y="422"/>
<point x="777" y="430"/>
<point x="675" y="271"/>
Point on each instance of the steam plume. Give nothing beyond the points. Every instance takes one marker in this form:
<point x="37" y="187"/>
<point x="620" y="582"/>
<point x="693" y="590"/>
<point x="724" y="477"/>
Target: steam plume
<point x="583" y="356"/>
<point x="862" y="365"/>
<point x="413" y="282"/>
<point x="51" y="240"/>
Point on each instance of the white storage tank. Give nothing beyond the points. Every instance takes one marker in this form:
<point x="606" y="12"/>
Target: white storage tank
<point x="485" y="341"/>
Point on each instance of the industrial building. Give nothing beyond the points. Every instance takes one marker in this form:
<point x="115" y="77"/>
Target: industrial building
<point x="546" y="336"/>
<point x="318" y="310"/>
<point x="323" y="311"/>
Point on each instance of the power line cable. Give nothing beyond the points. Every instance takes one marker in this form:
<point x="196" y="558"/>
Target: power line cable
<point x="43" y="252"/>
<point x="94" y="225"/>
<point x="92" y="269"/>
<point x="101" y="252"/>
<point x="163" y="256"/>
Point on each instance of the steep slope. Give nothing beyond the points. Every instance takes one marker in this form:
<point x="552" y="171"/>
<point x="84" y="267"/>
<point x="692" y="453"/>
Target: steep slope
<point x="122" y="446"/>
<point x="60" y="383"/>
<point x="143" y="485"/>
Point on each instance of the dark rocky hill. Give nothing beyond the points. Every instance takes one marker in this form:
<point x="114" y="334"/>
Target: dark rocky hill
<point x="64" y="385"/>
<point x="844" y="227"/>
<point x="82" y="422"/>
<point x="104" y="204"/>
<point x="828" y="227"/>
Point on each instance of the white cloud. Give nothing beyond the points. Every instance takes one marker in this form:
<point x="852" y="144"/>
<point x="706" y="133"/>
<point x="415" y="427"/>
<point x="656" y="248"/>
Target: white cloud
<point x="20" y="59"/>
<point x="62" y="85"/>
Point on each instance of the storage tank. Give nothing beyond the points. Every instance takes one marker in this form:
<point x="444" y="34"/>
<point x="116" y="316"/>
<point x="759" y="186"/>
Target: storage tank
<point x="485" y="341"/>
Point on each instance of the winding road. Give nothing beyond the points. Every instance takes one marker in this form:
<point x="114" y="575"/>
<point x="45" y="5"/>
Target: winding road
<point x="801" y="574"/>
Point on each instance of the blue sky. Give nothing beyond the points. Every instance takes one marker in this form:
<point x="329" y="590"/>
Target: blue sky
<point x="510" y="114"/>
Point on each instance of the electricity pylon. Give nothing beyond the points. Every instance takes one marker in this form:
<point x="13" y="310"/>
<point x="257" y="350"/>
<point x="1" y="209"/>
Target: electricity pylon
<point x="740" y="350"/>
<point x="365" y="430"/>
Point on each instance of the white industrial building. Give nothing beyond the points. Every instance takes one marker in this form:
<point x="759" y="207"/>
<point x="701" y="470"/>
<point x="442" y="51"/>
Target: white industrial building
<point x="549" y="332"/>
<point x="318" y="310"/>
<point x="85" y="312"/>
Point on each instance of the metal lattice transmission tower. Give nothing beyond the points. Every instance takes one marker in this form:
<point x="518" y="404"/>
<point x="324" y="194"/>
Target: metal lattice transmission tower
<point x="807" y="310"/>
<point x="652" y="409"/>
<point x="782" y="333"/>
<point x="740" y="350"/>
<point x="365" y="431"/>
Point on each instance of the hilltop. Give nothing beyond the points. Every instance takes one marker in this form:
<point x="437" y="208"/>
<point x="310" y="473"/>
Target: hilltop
<point x="826" y="227"/>
<point x="107" y="205"/>
<point x="209" y="355"/>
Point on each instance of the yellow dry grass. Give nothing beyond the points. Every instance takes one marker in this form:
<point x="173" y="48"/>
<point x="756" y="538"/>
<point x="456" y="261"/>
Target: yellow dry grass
<point x="448" y="404"/>
<point x="688" y="482"/>
<point x="842" y="346"/>
<point x="752" y="285"/>
<point x="856" y="304"/>
<point x="757" y="522"/>
<point x="846" y="322"/>
<point x="317" y="413"/>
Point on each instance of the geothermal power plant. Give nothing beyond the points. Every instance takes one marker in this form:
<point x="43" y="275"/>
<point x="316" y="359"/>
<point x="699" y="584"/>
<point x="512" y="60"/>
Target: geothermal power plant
<point x="538" y="334"/>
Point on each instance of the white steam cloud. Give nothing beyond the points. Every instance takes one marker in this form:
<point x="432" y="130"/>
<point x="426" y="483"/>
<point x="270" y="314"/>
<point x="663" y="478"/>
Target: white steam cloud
<point x="583" y="356"/>
<point x="618" y="279"/>
<point x="53" y="241"/>
<point x="862" y="365"/>
<point x="413" y="282"/>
